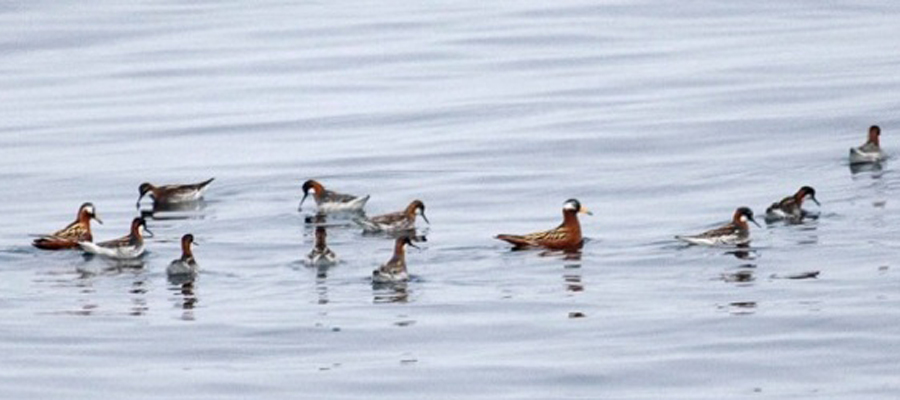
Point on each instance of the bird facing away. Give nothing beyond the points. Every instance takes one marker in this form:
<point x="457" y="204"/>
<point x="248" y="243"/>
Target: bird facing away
<point x="869" y="152"/>
<point x="321" y="255"/>
<point x="395" y="269"/>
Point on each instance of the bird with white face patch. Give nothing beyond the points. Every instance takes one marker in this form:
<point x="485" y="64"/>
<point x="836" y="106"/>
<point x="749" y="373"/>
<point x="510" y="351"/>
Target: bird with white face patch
<point x="567" y="236"/>
<point x="124" y="248"/>
<point x="790" y="208"/>
<point x="332" y="202"/>
<point x="68" y="237"/>
<point x="735" y="233"/>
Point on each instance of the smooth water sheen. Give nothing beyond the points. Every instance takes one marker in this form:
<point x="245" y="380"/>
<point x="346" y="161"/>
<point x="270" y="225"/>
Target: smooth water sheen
<point x="660" y="117"/>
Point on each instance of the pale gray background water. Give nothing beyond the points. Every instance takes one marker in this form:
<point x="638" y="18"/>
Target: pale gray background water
<point x="661" y="117"/>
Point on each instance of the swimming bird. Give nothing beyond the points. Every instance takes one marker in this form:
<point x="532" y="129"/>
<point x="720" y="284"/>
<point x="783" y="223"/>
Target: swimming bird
<point x="321" y="255"/>
<point x="329" y="201"/>
<point x="186" y="265"/>
<point x="399" y="221"/>
<point x="736" y="232"/>
<point x="395" y="269"/>
<point x="124" y="248"/>
<point x="870" y="152"/>
<point x="567" y="236"/>
<point x="68" y="237"/>
<point x="790" y="207"/>
<point x="173" y="194"/>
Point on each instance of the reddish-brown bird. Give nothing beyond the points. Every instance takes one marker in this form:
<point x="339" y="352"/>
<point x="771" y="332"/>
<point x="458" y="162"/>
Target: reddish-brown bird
<point x="567" y="236"/>
<point x="68" y="237"/>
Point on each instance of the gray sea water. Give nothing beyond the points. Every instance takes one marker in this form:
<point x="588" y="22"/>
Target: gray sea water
<point x="660" y="117"/>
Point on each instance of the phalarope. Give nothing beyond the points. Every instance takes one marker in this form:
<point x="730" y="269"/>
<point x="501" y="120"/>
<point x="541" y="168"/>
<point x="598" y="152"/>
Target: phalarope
<point x="173" y="194"/>
<point x="790" y="207"/>
<point x="328" y="201"/>
<point x="321" y="255"/>
<point x="567" y="236"/>
<point x="870" y="152"/>
<point x="737" y="232"/>
<point x="124" y="248"/>
<point x="68" y="237"/>
<point x="399" y="221"/>
<point x="395" y="269"/>
<point x="186" y="265"/>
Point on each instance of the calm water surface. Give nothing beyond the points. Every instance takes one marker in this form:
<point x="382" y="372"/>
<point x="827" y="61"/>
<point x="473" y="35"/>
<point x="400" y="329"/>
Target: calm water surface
<point x="661" y="118"/>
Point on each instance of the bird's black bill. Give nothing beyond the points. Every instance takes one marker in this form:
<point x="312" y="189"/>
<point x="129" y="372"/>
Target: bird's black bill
<point x="815" y="201"/>
<point x="305" y="195"/>
<point x="425" y="218"/>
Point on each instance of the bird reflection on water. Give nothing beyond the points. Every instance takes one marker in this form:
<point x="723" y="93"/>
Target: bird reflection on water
<point x="139" y="297"/>
<point x="186" y="298"/>
<point x="108" y="266"/>
<point x="572" y="274"/>
<point x="875" y="168"/>
<point x="394" y="292"/>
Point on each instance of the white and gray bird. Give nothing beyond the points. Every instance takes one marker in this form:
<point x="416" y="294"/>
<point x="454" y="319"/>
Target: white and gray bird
<point x="124" y="248"/>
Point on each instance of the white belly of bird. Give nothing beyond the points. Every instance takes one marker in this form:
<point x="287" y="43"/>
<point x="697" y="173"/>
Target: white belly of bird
<point x="399" y="226"/>
<point x="858" y="156"/>
<point x="118" y="253"/>
<point x="726" y="240"/>
<point x="777" y="214"/>
<point x="356" y="204"/>
<point x="321" y="259"/>
<point x="385" y="277"/>
<point x="179" y="267"/>
<point x="186" y="196"/>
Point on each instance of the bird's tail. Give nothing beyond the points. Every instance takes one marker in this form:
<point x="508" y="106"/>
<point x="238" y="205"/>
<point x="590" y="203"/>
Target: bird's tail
<point x="366" y="224"/>
<point x="515" y="240"/>
<point x="53" y="243"/>
<point x="206" y="182"/>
